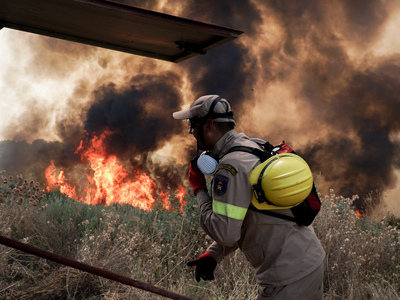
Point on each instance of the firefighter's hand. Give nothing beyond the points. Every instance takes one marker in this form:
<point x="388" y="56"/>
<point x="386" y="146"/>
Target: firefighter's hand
<point x="205" y="265"/>
<point x="196" y="178"/>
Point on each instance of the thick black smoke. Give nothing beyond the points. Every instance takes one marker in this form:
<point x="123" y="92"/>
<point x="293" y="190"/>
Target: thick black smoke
<point x="139" y="119"/>
<point x="360" y="103"/>
<point x="363" y="154"/>
<point x="228" y="70"/>
<point x="31" y="159"/>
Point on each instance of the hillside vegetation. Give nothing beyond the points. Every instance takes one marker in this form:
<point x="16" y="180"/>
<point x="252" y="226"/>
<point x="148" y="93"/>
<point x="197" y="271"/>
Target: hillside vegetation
<point x="153" y="247"/>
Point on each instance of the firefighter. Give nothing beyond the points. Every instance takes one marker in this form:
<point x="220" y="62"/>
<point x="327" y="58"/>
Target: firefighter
<point x="288" y="258"/>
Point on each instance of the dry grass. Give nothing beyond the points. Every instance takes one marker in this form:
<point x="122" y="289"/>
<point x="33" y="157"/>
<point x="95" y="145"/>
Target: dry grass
<point x="362" y="255"/>
<point x="153" y="247"/>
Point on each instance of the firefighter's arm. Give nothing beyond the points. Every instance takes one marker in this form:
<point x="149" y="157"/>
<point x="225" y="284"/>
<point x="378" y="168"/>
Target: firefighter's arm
<point x="219" y="252"/>
<point x="222" y="216"/>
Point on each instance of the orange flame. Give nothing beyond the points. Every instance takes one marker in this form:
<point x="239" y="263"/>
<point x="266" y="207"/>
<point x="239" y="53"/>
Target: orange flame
<point x="110" y="182"/>
<point x="58" y="182"/>
<point x="50" y="177"/>
<point x="178" y="195"/>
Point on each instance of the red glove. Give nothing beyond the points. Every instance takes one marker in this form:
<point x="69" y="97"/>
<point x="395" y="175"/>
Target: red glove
<point x="205" y="265"/>
<point x="196" y="178"/>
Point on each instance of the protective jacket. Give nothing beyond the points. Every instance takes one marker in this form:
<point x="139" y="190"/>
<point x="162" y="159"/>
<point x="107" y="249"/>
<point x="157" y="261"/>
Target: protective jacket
<point x="280" y="251"/>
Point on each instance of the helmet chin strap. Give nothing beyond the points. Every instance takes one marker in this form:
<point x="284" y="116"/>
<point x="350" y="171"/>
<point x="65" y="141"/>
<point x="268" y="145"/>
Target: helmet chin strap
<point x="198" y="148"/>
<point x="200" y="137"/>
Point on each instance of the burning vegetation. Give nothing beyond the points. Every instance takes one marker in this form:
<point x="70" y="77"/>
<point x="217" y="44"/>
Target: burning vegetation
<point x="107" y="181"/>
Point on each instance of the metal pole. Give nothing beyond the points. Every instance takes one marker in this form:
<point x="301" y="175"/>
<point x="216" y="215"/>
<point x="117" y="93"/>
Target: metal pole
<point x="86" y="268"/>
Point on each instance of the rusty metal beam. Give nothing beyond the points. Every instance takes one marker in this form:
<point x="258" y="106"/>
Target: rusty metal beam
<point x="115" y="26"/>
<point x="86" y="268"/>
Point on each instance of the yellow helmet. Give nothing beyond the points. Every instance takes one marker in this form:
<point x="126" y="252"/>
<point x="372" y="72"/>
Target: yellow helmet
<point x="282" y="181"/>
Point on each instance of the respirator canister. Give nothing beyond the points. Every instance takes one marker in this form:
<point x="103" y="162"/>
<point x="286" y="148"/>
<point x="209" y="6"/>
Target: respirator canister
<point x="207" y="164"/>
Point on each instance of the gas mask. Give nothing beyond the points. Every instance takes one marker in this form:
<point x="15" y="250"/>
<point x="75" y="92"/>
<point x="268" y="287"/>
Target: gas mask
<point x="206" y="163"/>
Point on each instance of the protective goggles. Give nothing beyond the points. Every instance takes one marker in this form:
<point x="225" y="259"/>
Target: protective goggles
<point x="192" y="124"/>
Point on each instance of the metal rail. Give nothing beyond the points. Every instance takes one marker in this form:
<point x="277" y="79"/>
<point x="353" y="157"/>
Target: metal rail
<point x="90" y="269"/>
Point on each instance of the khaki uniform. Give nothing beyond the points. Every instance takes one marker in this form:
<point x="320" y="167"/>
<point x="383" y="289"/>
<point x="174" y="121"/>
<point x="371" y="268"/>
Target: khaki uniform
<point x="281" y="251"/>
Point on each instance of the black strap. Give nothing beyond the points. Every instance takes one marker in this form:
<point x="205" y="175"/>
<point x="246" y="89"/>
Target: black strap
<point x="272" y="214"/>
<point x="262" y="155"/>
<point x="213" y="115"/>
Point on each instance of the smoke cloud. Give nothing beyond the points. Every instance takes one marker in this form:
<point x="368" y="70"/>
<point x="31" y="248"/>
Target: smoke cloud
<point x="140" y="117"/>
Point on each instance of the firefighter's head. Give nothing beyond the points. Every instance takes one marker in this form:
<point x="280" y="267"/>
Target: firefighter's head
<point x="209" y="117"/>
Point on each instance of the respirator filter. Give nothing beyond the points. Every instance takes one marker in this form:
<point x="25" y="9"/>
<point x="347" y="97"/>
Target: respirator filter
<point x="207" y="164"/>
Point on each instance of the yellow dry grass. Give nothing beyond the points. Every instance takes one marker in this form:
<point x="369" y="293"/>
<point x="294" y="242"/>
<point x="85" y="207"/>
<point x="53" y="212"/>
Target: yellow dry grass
<point x="362" y="254"/>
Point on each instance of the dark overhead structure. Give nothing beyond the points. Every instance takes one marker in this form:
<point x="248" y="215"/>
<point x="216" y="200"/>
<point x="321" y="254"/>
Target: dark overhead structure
<point x="115" y="26"/>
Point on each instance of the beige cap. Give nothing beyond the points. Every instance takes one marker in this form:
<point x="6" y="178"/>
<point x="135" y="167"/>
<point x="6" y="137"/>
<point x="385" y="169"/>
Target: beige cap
<point x="200" y="108"/>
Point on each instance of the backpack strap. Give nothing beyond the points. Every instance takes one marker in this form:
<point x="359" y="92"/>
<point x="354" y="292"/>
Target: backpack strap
<point x="272" y="214"/>
<point x="262" y="155"/>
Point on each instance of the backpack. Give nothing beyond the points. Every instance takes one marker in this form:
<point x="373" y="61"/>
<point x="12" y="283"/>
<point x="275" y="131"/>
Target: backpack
<point x="303" y="213"/>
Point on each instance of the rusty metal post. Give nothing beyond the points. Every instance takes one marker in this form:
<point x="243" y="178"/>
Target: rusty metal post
<point x="86" y="268"/>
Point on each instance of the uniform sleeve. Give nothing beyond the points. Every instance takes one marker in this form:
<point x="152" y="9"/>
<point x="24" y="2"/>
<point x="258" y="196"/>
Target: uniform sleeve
<point x="221" y="216"/>
<point x="219" y="252"/>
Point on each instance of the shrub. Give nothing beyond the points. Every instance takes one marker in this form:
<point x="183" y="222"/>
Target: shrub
<point x="362" y="255"/>
<point x="362" y="259"/>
